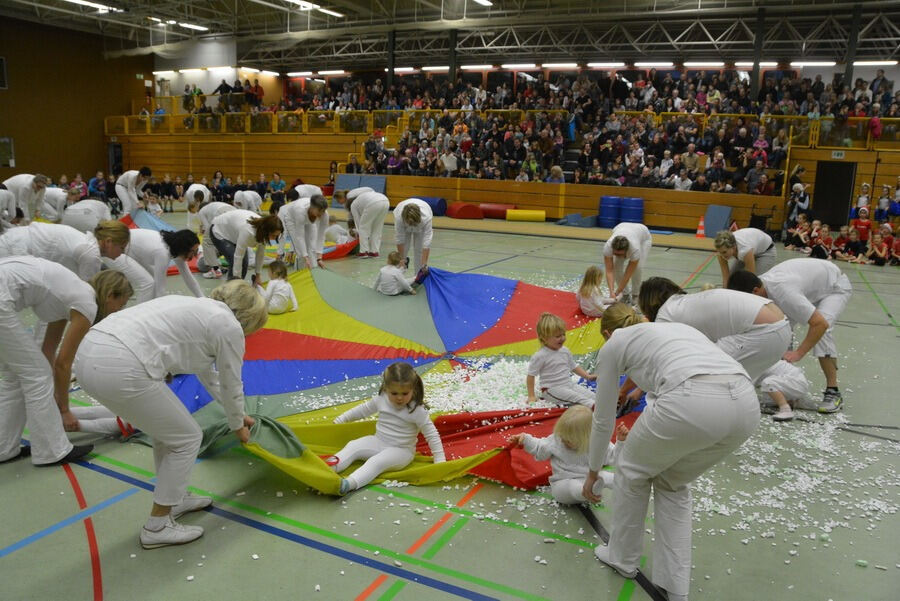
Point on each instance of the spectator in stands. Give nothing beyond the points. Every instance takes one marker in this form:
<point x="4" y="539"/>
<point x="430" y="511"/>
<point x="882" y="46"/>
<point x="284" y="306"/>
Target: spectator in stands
<point x="353" y="166"/>
<point x="276" y="190"/>
<point x="97" y="187"/>
<point x="700" y="185"/>
<point x="691" y="160"/>
<point x="754" y="175"/>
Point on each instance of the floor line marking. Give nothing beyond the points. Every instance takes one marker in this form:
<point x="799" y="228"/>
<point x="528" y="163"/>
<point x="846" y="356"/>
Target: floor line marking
<point x="93" y="550"/>
<point x="698" y="271"/>
<point x="878" y="299"/>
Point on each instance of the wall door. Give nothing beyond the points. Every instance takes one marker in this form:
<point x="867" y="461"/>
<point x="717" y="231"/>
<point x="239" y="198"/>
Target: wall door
<point x="834" y="192"/>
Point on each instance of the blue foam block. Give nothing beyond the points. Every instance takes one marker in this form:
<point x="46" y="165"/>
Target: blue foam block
<point x="717" y="218"/>
<point x="438" y="205"/>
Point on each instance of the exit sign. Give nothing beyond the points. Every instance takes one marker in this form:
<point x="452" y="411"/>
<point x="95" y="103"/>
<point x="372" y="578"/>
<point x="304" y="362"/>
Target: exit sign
<point x="139" y="76"/>
<point x="837" y="154"/>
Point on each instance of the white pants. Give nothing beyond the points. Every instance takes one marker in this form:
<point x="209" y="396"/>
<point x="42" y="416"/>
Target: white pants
<point x="370" y="226"/>
<point x="288" y="222"/>
<point x="128" y="199"/>
<point x="113" y="375"/>
<point x="570" y="491"/>
<point x="96" y="420"/>
<point x="680" y="435"/>
<point x="210" y="258"/>
<point x="310" y="235"/>
<point x="764" y="262"/>
<point x="569" y="394"/>
<point x="621" y="263"/>
<point x="380" y="457"/>
<point x="26" y="395"/>
<point x="759" y="348"/>
<point x="414" y="247"/>
<point x="831" y="308"/>
<point x="793" y="385"/>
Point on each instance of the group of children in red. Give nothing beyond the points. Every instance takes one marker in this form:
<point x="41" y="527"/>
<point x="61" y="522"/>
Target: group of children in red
<point x="863" y="241"/>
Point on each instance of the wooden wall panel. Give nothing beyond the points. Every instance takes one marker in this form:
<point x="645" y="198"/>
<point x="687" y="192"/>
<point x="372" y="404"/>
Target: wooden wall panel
<point x="888" y="167"/>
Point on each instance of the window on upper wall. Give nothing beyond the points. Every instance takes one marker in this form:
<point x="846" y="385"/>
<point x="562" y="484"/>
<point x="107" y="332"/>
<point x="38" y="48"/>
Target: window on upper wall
<point x="3" y="85"/>
<point x="7" y="154"/>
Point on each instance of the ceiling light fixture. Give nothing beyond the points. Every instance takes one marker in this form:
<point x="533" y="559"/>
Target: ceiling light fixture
<point x="332" y="72"/>
<point x="813" y="63"/>
<point x="303" y="4"/>
<point x="605" y="65"/>
<point x="100" y="7"/>
<point x="519" y="66"/>
<point x="653" y="64"/>
<point x="169" y="72"/>
<point x="249" y="69"/>
<point x="195" y="27"/>
<point x="484" y="2"/>
<point x="189" y="70"/>
<point x="477" y="67"/>
<point x="704" y="64"/>
<point x="874" y="63"/>
<point x="330" y="12"/>
<point x="299" y="73"/>
<point x="270" y="73"/>
<point x="439" y="68"/>
<point x="761" y="64"/>
<point x="559" y="66"/>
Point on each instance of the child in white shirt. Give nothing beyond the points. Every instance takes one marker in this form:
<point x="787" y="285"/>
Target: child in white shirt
<point x="391" y="280"/>
<point x="153" y="207"/>
<point x="279" y="295"/>
<point x="590" y="294"/>
<point x="567" y="450"/>
<point x="554" y="363"/>
<point x="787" y="386"/>
<point x="402" y="414"/>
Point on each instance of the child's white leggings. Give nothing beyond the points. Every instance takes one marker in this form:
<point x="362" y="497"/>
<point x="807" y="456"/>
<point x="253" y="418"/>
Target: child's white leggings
<point x="380" y="457"/>
<point x="570" y="490"/>
<point x="96" y="420"/>
<point x="569" y="394"/>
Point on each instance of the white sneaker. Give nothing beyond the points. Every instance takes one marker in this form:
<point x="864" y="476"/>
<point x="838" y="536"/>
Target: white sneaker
<point x="784" y="415"/>
<point x="602" y="553"/>
<point x="190" y="503"/>
<point x="212" y="274"/>
<point x="172" y="533"/>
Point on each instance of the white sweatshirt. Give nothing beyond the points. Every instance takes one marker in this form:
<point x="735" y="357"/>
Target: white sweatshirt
<point x="7" y="205"/>
<point x="637" y="235"/>
<point x="337" y="233"/>
<point x="716" y="313"/>
<point x="554" y="368"/>
<point x="295" y="216"/>
<point x="152" y="253"/>
<point x="564" y="462"/>
<point x="51" y="290"/>
<point x="247" y="200"/>
<point x="308" y="190"/>
<point x="402" y="231"/>
<point x="595" y="304"/>
<point x="797" y="285"/>
<point x="193" y="189"/>
<point x="87" y="211"/>
<point x="210" y="211"/>
<point x="751" y="240"/>
<point x="128" y="180"/>
<point x="398" y="426"/>
<point x="234" y="227"/>
<point x="657" y="357"/>
<point x="279" y="296"/>
<point x="54" y="204"/>
<point x="26" y="198"/>
<point x="391" y="281"/>
<point x="58" y="243"/>
<point x="365" y="198"/>
<point x="183" y="335"/>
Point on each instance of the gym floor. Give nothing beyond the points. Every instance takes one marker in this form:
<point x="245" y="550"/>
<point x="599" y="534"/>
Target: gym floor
<point x="805" y="510"/>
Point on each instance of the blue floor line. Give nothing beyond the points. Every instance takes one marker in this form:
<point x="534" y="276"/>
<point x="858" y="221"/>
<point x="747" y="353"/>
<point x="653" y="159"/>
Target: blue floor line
<point x="308" y="542"/>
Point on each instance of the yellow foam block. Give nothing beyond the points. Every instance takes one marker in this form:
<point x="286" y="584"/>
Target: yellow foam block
<point x="525" y="215"/>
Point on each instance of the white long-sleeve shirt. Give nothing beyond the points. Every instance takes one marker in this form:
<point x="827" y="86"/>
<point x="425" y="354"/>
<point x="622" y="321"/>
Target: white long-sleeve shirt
<point x="295" y="216"/>
<point x="7" y="205"/>
<point x="26" y="198"/>
<point x="234" y="227"/>
<point x="716" y="313"/>
<point x="595" y="304"/>
<point x="797" y="285"/>
<point x="564" y="462"/>
<point x="391" y="281"/>
<point x="129" y="181"/>
<point x="337" y="233"/>
<point x="751" y="240"/>
<point x="54" y="204"/>
<point x="152" y="253"/>
<point x="637" y="235"/>
<point x="193" y="189"/>
<point x="247" y="200"/>
<point x="553" y="368"/>
<point x="61" y="244"/>
<point x="210" y="211"/>
<point x="308" y="190"/>
<point x="87" y="212"/>
<point x="402" y="230"/>
<point x="363" y="198"/>
<point x="183" y="335"/>
<point x="657" y="357"/>
<point x="279" y="296"/>
<point x="51" y="290"/>
<point x="398" y="426"/>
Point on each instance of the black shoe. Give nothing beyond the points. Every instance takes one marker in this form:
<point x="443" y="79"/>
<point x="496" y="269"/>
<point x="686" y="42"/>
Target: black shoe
<point x="406" y="263"/>
<point x="77" y="452"/>
<point x="23" y="453"/>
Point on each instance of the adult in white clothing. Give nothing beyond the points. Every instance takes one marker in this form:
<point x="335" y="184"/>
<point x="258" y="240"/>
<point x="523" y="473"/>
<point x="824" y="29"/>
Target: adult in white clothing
<point x="55" y="200"/>
<point x="624" y="256"/>
<point x="233" y="232"/>
<point x="8" y="209"/>
<point x="84" y="215"/>
<point x="701" y="407"/>
<point x="368" y="209"/>
<point x="124" y="363"/>
<point x="413" y="231"/>
<point x="35" y="377"/>
<point x="247" y="200"/>
<point x="206" y="214"/>
<point x="814" y="292"/>
<point x="308" y="191"/>
<point x="154" y="251"/>
<point x="29" y="192"/>
<point x="130" y="188"/>
<point x="198" y="193"/>
<point x="305" y="220"/>
<point x="747" y="248"/>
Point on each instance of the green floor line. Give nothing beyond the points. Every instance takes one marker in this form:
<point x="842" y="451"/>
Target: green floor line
<point x="627" y="589"/>
<point x="350" y="541"/>
<point x="699" y="273"/>
<point x="878" y="299"/>
<point x="393" y="591"/>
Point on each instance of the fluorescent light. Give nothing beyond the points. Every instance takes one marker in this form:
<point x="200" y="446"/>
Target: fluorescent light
<point x="477" y="67"/>
<point x="559" y="66"/>
<point x="270" y="73"/>
<point x="161" y="25"/>
<point x="704" y="64"/>
<point x="219" y="68"/>
<point x="761" y="64"/>
<point x="319" y="80"/>
<point x="332" y="72"/>
<point x="605" y="65"/>
<point x="299" y="73"/>
<point x="435" y="68"/>
<point x="169" y="72"/>
<point x="303" y="4"/>
<point x="484" y="2"/>
<point x="249" y="69"/>
<point x="812" y="63"/>
<point x="653" y="64"/>
<point x="192" y="26"/>
<point x="100" y="7"/>
<point x="401" y="69"/>
<point x="519" y="66"/>
<point x="874" y="63"/>
<point x="171" y="21"/>
<point x="155" y="19"/>
<point x="189" y="70"/>
<point x="330" y="12"/>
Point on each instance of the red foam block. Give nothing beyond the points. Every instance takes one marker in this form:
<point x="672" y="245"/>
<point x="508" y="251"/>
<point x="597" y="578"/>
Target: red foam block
<point x="464" y="210"/>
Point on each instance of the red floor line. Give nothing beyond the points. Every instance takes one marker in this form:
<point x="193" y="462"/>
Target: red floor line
<point x="698" y="270"/>
<point x="91" y="536"/>
<point x="422" y="539"/>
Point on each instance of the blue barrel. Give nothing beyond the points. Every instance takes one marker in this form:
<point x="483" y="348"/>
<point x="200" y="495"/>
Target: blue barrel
<point x="610" y="206"/>
<point x="632" y="210"/>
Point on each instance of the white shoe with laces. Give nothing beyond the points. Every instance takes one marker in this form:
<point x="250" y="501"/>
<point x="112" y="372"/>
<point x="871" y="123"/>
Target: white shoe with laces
<point x="190" y="503"/>
<point x="602" y="553"/>
<point x="784" y="415"/>
<point x="172" y="533"/>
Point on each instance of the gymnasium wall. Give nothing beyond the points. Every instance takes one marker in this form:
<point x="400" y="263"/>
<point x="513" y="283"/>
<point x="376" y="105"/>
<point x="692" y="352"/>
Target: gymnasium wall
<point x="60" y="90"/>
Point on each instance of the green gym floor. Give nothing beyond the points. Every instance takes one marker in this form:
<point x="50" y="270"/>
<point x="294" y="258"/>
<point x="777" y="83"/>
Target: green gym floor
<point x="805" y="510"/>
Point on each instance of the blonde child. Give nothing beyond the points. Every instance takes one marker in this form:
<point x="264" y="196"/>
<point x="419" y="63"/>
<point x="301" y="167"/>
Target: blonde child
<point x="567" y="450"/>
<point x="590" y="294"/>
<point x="391" y="280"/>
<point x="278" y="294"/>
<point x="554" y="363"/>
<point x="787" y="386"/>
<point x="879" y="252"/>
<point x="402" y="414"/>
<point x="153" y="206"/>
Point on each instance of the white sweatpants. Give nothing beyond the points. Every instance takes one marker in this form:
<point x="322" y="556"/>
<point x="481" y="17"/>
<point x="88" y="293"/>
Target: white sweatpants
<point x="414" y="247"/>
<point x="83" y="221"/>
<point x="371" y="225"/>
<point x="570" y="491"/>
<point x="759" y="348"/>
<point x="96" y="420"/>
<point x="794" y="385"/>
<point x="764" y="262"/>
<point x="288" y="222"/>
<point x="309" y="233"/>
<point x="112" y="374"/>
<point x="26" y="395"/>
<point x="128" y="198"/>
<point x="210" y="256"/>
<point x="380" y="457"/>
<point x="680" y="435"/>
<point x="569" y="394"/>
<point x="831" y="308"/>
<point x="621" y="263"/>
